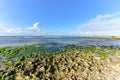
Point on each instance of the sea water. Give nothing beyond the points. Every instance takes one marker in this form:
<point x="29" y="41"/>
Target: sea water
<point x="57" y="40"/>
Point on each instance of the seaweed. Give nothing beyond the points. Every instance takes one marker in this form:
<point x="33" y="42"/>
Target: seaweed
<point x="71" y="62"/>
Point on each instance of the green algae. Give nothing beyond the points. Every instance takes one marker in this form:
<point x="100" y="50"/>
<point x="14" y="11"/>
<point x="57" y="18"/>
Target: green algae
<point x="72" y="62"/>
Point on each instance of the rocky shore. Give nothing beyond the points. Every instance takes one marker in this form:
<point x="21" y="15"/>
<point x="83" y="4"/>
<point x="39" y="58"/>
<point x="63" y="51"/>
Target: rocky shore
<point x="71" y="63"/>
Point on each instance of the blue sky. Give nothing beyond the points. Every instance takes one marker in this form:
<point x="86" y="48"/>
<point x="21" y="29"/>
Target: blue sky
<point x="59" y="17"/>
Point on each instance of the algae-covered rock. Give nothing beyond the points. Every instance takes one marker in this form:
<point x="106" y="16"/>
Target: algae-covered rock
<point x="72" y="63"/>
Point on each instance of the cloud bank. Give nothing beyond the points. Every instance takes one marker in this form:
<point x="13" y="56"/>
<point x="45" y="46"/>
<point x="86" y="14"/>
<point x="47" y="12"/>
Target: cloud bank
<point x="108" y="24"/>
<point x="33" y="30"/>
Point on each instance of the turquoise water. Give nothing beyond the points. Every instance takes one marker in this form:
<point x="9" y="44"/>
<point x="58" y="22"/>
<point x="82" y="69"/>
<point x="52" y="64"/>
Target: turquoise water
<point x="56" y="40"/>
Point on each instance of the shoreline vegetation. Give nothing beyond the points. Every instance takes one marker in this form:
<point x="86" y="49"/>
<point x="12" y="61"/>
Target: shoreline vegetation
<point x="36" y="62"/>
<point x="116" y="37"/>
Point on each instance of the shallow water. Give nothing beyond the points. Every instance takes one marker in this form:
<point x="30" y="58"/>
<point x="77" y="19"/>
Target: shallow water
<point x="27" y="40"/>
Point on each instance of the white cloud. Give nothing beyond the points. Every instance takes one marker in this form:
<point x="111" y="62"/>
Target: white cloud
<point x="34" y="27"/>
<point x="10" y="30"/>
<point x="108" y="24"/>
<point x="33" y="30"/>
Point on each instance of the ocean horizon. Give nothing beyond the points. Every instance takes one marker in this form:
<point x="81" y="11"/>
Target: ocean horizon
<point x="57" y="40"/>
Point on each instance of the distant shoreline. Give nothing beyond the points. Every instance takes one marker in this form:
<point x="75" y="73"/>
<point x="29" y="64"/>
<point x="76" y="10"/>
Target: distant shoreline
<point x="116" y="37"/>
